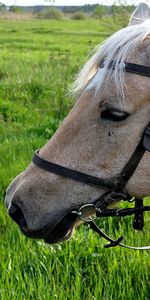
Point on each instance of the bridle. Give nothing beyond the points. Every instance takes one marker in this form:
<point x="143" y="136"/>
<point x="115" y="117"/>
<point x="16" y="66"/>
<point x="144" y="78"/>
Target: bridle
<point x="115" y="187"/>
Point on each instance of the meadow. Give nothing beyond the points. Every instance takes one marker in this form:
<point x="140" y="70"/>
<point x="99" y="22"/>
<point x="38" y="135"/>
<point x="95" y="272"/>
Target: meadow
<point x="38" y="63"/>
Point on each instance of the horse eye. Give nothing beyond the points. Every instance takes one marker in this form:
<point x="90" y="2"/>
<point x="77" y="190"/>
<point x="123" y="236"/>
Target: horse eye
<point x="114" y="115"/>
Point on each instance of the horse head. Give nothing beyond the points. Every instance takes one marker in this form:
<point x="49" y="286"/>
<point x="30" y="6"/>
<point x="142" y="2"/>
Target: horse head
<point x="98" y="138"/>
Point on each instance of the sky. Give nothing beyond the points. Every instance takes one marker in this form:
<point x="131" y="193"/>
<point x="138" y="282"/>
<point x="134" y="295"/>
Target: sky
<point x="64" y="2"/>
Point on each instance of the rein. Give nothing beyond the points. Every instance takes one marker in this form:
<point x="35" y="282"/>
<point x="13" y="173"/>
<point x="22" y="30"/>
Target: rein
<point x="116" y="188"/>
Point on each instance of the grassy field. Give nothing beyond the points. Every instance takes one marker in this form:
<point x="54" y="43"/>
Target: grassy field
<point x="38" y="62"/>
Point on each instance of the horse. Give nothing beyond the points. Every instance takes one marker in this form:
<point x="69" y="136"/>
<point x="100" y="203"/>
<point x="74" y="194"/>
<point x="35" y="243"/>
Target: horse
<point x="100" y="152"/>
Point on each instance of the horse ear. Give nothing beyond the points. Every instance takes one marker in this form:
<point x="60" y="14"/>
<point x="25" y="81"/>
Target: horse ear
<point x="141" y="13"/>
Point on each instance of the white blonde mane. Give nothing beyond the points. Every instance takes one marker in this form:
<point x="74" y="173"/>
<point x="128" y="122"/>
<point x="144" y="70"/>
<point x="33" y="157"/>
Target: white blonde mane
<point x="117" y="47"/>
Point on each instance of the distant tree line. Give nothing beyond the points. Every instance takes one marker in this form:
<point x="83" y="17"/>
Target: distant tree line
<point x="74" y="12"/>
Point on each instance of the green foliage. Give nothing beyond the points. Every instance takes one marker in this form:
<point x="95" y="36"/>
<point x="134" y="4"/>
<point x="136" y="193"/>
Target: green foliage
<point x="80" y="15"/>
<point x="100" y="11"/>
<point x="38" y="62"/>
<point x="122" y="13"/>
<point x="15" y="9"/>
<point x="51" y="13"/>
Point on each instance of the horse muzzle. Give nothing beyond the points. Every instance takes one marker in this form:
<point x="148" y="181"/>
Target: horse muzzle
<point x="51" y="234"/>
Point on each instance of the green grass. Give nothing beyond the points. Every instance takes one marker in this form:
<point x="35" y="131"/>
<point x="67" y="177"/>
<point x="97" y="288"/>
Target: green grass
<point x="38" y="62"/>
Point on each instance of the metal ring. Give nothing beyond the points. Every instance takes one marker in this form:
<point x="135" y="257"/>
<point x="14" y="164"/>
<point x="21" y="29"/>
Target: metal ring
<point x="87" y="213"/>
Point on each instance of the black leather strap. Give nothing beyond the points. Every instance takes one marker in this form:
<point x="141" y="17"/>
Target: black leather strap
<point x="137" y="69"/>
<point x="137" y="155"/>
<point x="124" y="177"/>
<point x="113" y="243"/>
<point x="146" y="140"/>
<point x="70" y="173"/>
<point x="130" y="68"/>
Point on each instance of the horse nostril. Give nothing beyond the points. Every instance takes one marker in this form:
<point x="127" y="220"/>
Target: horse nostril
<point x="17" y="215"/>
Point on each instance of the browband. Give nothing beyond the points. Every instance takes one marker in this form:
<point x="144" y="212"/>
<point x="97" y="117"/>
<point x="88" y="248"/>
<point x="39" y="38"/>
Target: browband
<point x="129" y="67"/>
